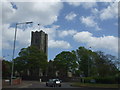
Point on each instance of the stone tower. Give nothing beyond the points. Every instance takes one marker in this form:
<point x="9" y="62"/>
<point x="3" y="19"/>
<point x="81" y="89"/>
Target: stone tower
<point x="40" y="40"/>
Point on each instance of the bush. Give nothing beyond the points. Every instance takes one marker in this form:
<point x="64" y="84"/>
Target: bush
<point x="87" y="79"/>
<point x="103" y="80"/>
<point x="106" y="80"/>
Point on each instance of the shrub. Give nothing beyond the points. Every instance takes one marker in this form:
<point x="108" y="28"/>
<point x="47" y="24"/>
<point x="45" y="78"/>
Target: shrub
<point x="87" y="79"/>
<point x="103" y="80"/>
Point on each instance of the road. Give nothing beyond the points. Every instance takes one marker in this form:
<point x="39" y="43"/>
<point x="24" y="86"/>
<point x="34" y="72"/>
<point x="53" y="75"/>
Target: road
<point x="64" y="85"/>
<point x="35" y="84"/>
<point x="43" y="85"/>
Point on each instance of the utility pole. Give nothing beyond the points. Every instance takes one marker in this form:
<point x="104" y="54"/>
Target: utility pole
<point x="14" y="47"/>
<point x="88" y="65"/>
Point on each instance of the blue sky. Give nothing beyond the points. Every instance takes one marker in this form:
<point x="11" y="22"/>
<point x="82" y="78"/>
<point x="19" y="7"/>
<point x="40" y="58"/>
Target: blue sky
<point x="69" y="25"/>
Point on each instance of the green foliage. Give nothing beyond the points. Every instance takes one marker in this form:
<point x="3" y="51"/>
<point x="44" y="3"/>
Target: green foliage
<point x="6" y="69"/>
<point x="105" y="66"/>
<point x="65" y="61"/>
<point x="86" y="63"/>
<point x="85" y="59"/>
<point x="112" y="86"/>
<point x="51" y="69"/>
<point x="95" y="63"/>
<point x="107" y="80"/>
<point x="30" y="59"/>
<point x="101" y="80"/>
<point x="87" y="79"/>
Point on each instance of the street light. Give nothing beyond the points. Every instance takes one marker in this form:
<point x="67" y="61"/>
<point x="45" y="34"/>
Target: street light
<point x="14" y="47"/>
<point x="88" y="65"/>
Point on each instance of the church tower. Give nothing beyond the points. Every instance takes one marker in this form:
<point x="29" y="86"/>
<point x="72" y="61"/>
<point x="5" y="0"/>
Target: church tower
<point x="40" y="40"/>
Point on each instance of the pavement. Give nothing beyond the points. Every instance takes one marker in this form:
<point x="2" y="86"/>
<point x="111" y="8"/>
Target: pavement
<point x="36" y="84"/>
<point x="22" y="85"/>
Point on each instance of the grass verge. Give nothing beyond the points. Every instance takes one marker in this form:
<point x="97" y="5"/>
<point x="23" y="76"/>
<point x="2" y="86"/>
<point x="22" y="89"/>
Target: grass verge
<point x="95" y="85"/>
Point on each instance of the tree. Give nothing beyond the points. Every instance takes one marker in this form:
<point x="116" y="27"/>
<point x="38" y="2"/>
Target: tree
<point x="95" y="63"/>
<point x="31" y="59"/>
<point x="84" y="59"/>
<point x="51" y="69"/>
<point x="105" y="65"/>
<point x="6" y="68"/>
<point x="65" y="61"/>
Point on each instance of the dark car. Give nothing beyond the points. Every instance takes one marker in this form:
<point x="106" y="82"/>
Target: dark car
<point x="53" y="83"/>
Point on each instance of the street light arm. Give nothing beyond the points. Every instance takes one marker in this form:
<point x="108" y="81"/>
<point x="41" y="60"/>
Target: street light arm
<point x="24" y="23"/>
<point x="28" y="22"/>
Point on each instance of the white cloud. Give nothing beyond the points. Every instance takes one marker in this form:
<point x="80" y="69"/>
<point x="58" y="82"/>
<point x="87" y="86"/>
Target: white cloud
<point x="0" y="29"/>
<point x="110" y="12"/>
<point x="95" y="11"/>
<point x="1" y="44"/>
<point x="88" y="5"/>
<point x="74" y="3"/>
<point x="24" y="37"/>
<point x="45" y="13"/>
<point x="50" y="31"/>
<point x="85" y="5"/>
<point x="64" y="0"/>
<point x="66" y="33"/>
<point x="8" y="37"/>
<point x="7" y="11"/>
<point x="70" y="16"/>
<point x="52" y="34"/>
<point x="105" y="42"/>
<point x="89" y="22"/>
<point x="59" y="44"/>
<point x="91" y="0"/>
<point x="32" y="0"/>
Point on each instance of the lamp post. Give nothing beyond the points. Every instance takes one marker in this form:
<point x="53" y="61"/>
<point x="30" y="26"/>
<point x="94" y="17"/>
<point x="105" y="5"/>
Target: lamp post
<point x="14" y="47"/>
<point x="89" y="65"/>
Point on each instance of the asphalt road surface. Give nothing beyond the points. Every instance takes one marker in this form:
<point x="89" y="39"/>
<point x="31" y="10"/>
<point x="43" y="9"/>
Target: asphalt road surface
<point x="43" y="85"/>
<point x="64" y="85"/>
<point x="35" y="84"/>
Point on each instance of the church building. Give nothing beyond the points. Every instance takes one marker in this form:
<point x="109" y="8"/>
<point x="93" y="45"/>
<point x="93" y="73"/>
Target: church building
<point x="40" y="40"/>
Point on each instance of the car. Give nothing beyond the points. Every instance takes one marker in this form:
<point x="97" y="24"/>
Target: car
<point x="53" y="83"/>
